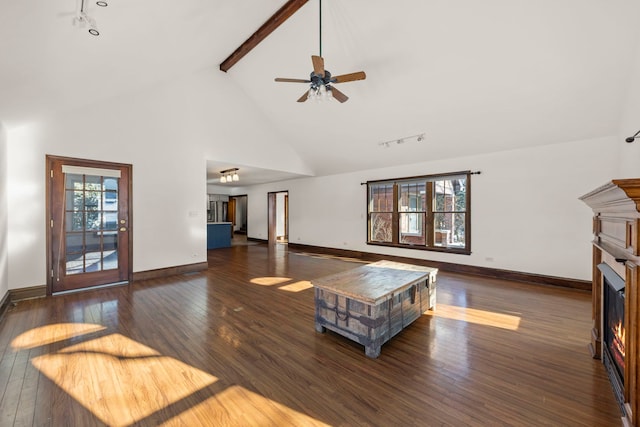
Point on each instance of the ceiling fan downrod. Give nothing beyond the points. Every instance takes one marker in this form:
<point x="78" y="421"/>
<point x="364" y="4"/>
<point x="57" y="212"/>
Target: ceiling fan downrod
<point x="320" y="25"/>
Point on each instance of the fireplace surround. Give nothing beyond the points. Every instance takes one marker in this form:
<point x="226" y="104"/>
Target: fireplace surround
<point x="615" y="332"/>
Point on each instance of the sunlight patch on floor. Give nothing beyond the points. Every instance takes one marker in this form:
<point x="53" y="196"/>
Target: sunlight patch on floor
<point x="52" y="333"/>
<point x="297" y="286"/>
<point x="237" y="406"/>
<point x="269" y="281"/>
<point x="290" y="287"/>
<point x="480" y="317"/>
<point x="122" y="380"/>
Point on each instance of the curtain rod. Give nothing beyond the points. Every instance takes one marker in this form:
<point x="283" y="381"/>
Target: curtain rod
<point x="444" y="174"/>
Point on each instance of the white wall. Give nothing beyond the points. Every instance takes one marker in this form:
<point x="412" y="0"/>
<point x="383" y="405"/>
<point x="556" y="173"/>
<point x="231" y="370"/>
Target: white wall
<point x="4" y="257"/>
<point x="526" y="215"/>
<point x="167" y="134"/>
<point x="629" y="161"/>
<point x="218" y="189"/>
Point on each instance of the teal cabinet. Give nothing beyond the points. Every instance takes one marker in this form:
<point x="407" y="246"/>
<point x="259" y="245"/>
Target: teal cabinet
<point x="218" y="235"/>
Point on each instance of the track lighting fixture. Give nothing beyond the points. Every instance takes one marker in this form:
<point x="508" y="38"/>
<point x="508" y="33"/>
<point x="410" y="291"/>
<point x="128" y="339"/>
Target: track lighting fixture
<point x="417" y="138"/>
<point x="82" y="19"/>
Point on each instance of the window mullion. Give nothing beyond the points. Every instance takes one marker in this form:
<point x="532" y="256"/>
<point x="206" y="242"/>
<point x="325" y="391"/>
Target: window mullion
<point x="429" y="215"/>
<point x="395" y="216"/>
<point x="467" y="213"/>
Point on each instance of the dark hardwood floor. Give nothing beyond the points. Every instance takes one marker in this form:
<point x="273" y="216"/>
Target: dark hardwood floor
<point x="236" y="345"/>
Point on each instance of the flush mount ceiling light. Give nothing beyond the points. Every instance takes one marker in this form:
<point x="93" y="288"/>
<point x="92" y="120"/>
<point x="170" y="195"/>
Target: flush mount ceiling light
<point x="400" y="141"/>
<point x="82" y="19"/>
<point x="229" y="175"/>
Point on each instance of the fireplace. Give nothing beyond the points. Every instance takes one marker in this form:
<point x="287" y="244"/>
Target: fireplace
<point x="615" y="295"/>
<point x="613" y="332"/>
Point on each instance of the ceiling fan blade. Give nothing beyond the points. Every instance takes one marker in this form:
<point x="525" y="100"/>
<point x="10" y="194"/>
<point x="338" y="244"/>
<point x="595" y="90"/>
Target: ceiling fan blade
<point x="360" y="75"/>
<point x="304" y="97"/>
<point x="338" y="95"/>
<point x="281" y="79"/>
<point x="318" y="65"/>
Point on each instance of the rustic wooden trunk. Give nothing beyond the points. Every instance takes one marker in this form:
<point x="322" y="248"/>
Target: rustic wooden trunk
<point x="372" y="303"/>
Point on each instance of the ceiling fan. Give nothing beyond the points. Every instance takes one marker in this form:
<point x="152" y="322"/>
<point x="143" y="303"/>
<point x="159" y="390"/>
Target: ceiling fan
<point x="321" y="81"/>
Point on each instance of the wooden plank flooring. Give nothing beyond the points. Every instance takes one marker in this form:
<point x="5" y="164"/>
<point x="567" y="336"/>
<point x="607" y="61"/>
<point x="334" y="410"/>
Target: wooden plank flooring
<point x="236" y="346"/>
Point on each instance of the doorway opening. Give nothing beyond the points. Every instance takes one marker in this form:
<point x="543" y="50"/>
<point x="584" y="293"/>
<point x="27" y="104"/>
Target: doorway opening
<point x="238" y="213"/>
<point x="278" y="212"/>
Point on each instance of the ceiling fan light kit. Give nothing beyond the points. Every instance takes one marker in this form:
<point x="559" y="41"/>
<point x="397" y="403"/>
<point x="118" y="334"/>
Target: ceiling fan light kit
<point x="319" y="93"/>
<point x="320" y="80"/>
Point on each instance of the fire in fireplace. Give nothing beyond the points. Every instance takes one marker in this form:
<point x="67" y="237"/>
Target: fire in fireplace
<point x="613" y="312"/>
<point x="617" y="345"/>
<point x="613" y="329"/>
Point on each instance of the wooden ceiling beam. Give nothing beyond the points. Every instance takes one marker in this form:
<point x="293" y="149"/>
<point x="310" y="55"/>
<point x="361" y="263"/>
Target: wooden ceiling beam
<point x="267" y="28"/>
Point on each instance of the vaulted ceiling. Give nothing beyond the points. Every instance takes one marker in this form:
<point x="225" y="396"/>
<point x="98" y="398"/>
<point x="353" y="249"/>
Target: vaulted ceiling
<point x="473" y="76"/>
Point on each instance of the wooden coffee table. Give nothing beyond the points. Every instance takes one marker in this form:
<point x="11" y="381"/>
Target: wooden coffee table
<point x="372" y="303"/>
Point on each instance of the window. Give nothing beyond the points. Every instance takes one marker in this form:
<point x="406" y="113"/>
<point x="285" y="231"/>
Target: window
<point x="429" y="212"/>
<point x="381" y="213"/>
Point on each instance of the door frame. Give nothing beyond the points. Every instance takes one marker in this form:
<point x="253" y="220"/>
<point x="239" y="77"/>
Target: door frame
<point x="49" y="213"/>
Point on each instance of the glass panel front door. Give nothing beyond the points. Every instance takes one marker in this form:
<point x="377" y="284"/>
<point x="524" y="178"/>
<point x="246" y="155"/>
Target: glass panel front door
<point x="91" y="225"/>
